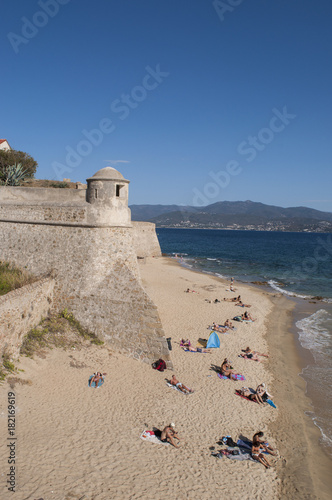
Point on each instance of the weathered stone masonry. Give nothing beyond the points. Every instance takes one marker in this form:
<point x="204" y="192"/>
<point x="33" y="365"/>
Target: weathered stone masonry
<point x="90" y="248"/>
<point x="21" y="310"/>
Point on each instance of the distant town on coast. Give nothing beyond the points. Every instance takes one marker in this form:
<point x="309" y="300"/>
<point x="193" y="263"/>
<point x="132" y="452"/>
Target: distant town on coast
<point x="235" y="215"/>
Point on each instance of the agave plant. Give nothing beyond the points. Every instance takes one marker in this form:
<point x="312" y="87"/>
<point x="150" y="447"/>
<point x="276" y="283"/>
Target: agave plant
<point x="13" y="175"/>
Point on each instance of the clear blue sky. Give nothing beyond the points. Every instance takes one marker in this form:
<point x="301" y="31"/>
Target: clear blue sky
<point x="180" y="90"/>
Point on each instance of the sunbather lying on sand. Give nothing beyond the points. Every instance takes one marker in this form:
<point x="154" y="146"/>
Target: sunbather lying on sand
<point x="168" y="434"/>
<point x="257" y="440"/>
<point x="190" y="291"/>
<point x="251" y="356"/>
<point x="246" y="392"/>
<point x="96" y="377"/>
<point x="234" y="299"/>
<point x="227" y="370"/>
<point x="241" y="304"/>
<point x="198" y="349"/>
<point x="250" y="352"/>
<point x="218" y="328"/>
<point x="174" y="381"/>
<point x="257" y="455"/>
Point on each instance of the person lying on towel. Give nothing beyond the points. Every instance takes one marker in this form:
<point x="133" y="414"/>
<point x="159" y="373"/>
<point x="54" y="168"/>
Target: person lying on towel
<point x="174" y="381"/>
<point x="198" y="349"/>
<point x="96" y="377"/>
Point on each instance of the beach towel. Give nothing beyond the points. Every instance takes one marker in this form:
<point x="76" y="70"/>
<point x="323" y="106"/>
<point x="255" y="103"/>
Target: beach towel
<point x="244" y="397"/>
<point x="150" y="436"/>
<point x="238" y="376"/>
<point x="177" y="389"/>
<point x="93" y="384"/>
<point x="271" y="403"/>
<point x="234" y="454"/>
<point x="239" y="454"/>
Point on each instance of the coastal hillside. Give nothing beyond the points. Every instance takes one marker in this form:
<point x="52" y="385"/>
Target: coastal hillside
<point x="244" y="215"/>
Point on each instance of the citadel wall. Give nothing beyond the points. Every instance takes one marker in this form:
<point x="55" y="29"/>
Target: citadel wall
<point x="145" y="239"/>
<point x="21" y="310"/>
<point x="94" y="264"/>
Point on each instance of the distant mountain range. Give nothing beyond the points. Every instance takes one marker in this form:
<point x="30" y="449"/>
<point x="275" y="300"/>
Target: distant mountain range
<point x="235" y="215"/>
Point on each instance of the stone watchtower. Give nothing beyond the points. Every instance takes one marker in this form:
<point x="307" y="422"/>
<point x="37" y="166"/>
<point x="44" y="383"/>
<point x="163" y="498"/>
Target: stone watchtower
<point x="107" y="192"/>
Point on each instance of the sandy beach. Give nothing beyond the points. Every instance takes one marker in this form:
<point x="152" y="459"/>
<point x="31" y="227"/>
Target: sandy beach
<point x="75" y="442"/>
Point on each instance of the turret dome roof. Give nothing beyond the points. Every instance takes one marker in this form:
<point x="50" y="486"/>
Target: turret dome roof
<point x="107" y="173"/>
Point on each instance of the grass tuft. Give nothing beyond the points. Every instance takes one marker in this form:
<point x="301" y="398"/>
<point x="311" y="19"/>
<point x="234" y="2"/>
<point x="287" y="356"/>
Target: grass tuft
<point x="58" y="330"/>
<point x="12" y="278"/>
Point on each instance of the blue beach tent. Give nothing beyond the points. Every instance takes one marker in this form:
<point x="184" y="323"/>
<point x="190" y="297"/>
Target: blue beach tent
<point x="213" y="340"/>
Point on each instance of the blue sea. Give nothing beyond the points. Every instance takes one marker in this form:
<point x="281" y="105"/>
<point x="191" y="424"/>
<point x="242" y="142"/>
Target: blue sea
<point x="298" y="265"/>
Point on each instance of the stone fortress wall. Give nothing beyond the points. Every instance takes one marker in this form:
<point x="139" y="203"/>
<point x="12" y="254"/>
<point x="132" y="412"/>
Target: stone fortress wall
<point x="88" y="242"/>
<point x="21" y="310"/>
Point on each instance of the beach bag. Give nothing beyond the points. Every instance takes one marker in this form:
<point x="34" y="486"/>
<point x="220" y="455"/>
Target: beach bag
<point x="227" y="440"/>
<point x="159" y="365"/>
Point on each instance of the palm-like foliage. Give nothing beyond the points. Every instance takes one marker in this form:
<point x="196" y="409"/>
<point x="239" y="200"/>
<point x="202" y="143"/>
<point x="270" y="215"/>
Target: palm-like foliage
<point x="13" y="175"/>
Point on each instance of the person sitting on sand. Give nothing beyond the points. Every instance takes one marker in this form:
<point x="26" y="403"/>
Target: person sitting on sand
<point x="246" y="392"/>
<point x="262" y="392"/>
<point x="228" y="324"/>
<point x="257" y="455"/>
<point x="257" y="440"/>
<point x="174" y="381"/>
<point x="227" y="370"/>
<point x="198" y="349"/>
<point x="185" y="343"/>
<point x="96" y="377"/>
<point x="247" y="316"/>
<point x="168" y="434"/>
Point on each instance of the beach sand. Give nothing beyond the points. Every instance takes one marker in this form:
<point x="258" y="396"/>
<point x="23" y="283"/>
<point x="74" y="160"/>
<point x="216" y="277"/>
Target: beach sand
<point x="75" y="442"/>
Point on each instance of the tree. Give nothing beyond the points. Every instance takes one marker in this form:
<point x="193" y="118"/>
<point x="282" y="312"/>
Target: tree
<point x="9" y="158"/>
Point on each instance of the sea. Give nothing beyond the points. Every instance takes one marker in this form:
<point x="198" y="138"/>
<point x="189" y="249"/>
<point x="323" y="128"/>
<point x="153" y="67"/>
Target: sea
<point x="298" y="265"/>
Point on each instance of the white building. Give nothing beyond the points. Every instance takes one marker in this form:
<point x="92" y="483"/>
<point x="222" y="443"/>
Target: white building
<point x="4" y="145"/>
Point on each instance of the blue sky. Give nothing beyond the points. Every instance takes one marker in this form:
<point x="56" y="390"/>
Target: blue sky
<point x="194" y="101"/>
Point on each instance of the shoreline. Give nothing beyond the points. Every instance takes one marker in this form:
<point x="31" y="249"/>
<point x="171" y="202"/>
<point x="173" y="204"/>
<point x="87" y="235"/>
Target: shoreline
<point x="282" y="337"/>
<point x="293" y="425"/>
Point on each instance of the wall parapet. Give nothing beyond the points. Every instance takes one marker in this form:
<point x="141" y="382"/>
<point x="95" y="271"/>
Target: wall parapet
<point x="21" y="310"/>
